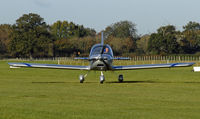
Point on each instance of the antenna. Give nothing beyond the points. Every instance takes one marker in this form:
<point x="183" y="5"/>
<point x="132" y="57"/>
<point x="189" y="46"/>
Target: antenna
<point x="102" y="38"/>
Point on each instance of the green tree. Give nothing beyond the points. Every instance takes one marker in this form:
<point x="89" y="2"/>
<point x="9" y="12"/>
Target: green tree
<point x="122" y="29"/>
<point x="164" y="41"/>
<point x="67" y="30"/>
<point x="30" y="37"/>
<point x="191" y="26"/>
<point x="122" y="37"/>
<point x="71" y="39"/>
<point x="190" y="40"/>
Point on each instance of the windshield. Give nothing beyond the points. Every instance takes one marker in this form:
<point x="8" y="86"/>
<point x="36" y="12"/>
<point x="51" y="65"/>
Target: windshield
<point x="99" y="49"/>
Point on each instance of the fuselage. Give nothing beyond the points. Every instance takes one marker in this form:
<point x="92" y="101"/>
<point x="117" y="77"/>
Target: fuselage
<point x="101" y="57"/>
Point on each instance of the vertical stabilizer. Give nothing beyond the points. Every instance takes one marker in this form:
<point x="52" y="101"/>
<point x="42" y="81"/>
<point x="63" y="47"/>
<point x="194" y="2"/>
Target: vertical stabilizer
<point x="102" y="39"/>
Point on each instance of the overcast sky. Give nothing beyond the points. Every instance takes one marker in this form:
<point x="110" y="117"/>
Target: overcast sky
<point x="148" y="15"/>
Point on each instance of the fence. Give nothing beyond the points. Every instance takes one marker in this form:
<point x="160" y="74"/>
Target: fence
<point x="133" y="60"/>
<point x="170" y="58"/>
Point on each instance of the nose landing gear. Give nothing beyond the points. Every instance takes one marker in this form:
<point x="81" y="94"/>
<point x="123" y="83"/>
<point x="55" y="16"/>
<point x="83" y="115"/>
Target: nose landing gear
<point x="102" y="78"/>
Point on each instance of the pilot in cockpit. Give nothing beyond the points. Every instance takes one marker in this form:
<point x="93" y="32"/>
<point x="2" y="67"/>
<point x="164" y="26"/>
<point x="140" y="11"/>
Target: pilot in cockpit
<point x="106" y="50"/>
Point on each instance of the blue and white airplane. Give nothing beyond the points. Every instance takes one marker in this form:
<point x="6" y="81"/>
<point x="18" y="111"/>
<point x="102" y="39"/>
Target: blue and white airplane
<point x="101" y="59"/>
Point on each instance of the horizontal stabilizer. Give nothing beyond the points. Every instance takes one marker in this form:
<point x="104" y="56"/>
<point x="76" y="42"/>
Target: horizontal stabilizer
<point x="122" y="58"/>
<point x="81" y="58"/>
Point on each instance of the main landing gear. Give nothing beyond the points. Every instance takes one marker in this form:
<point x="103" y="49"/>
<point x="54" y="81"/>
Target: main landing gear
<point x="82" y="78"/>
<point x="101" y="78"/>
<point x="120" y="78"/>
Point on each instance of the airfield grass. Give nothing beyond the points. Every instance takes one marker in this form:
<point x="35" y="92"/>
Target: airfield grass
<point x="57" y="94"/>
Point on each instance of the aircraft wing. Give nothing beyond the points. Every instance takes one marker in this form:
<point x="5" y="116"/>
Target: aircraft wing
<point x="50" y="66"/>
<point x="152" y="66"/>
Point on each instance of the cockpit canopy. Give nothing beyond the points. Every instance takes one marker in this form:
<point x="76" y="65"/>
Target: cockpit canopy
<point x="101" y="49"/>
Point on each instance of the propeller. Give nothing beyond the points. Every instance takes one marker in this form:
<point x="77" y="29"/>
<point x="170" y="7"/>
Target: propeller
<point x="105" y="63"/>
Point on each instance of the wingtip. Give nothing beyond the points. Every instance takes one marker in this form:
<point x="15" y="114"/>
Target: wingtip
<point x="10" y="63"/>
<point x="183" y="64"/>
<point x="192" y="63"/>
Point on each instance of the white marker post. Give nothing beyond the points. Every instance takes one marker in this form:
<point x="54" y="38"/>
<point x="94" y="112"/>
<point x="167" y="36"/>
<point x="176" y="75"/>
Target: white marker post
<point x="13" y="67"/>
<point x="196" y="69"/>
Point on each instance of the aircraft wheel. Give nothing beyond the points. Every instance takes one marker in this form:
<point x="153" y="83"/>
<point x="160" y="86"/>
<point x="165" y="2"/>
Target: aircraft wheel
<point x="102" y="79"/>
<point x="81" y="78"/>
<point x="120" y="78"/>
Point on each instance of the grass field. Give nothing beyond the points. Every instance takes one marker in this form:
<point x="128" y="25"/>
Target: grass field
<point x="57" y="94"/>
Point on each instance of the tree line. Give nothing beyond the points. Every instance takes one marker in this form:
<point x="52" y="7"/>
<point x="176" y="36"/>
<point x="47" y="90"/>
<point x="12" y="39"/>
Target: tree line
<point x="32" y="37"/>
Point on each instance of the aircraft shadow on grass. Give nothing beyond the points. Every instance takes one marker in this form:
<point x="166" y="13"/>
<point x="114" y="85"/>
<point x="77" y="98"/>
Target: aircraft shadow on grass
<point x="148" y="81"/>
<point x="57" y="82"/>
<point x="132" y="82"/>
<point x="115" y="82"/>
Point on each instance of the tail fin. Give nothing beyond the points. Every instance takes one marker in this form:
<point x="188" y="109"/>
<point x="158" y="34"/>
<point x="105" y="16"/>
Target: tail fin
<point x="102" y="38"/>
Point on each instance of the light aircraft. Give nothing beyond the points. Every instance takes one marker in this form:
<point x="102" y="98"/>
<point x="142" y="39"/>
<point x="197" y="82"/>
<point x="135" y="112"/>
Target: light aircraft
<point x="100" y="58"/>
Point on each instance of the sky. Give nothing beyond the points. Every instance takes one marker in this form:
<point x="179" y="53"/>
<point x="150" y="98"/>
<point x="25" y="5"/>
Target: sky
<point x="148" y="15"/>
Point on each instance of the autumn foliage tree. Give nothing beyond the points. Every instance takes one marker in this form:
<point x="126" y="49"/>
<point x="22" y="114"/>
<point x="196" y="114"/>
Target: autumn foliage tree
<point x="5" y="30"/>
